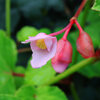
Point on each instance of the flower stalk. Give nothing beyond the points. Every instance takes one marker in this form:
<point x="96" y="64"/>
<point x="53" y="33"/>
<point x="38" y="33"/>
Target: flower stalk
<point x="72" y="70"/>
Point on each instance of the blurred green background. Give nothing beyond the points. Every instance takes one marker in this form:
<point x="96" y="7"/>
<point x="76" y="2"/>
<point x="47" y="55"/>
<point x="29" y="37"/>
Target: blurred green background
<point x="28" y="18"/>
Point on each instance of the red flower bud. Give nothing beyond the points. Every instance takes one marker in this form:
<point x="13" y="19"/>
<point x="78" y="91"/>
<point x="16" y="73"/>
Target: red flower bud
<point x="85" y="45"/>
<point x="63" y="55"/>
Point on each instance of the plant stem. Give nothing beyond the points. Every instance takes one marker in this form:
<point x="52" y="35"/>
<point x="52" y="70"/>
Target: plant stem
<point x="67" y="31"/>
<point x="80" y="8"/>
<point x="18" y="74"/>
<point x="8" y="17"/>
<point x="71" y="70"/>
<point x="79" y="26"/>
<point x="61" y="31"/>
<point x="73" y="91"/>
<point x="83" y="21"/>
<point x="24" y="50"/>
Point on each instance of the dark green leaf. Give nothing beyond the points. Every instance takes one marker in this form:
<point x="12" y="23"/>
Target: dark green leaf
<point x="94" y="32"/>
<point x="90" y="71"/>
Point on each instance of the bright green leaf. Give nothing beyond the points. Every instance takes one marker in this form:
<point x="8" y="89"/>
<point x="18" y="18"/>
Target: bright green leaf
<point x="45" y="30"/>
<point x="7" y="85"/>
<point x="41" y="93"/>
<point x="8" y="97"/>
<point x="39" y="76"/>
<point x="50" y="93"/>
<point x="8" y="52"/>
<point x="25" y="32"/>
<point x="8" y="56"/>
<point x="19" y="81"/>
<point x="26" y="92"/>
<point x="96" y="5"/>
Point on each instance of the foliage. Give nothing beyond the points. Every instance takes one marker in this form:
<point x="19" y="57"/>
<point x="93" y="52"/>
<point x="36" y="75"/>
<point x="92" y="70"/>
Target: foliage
<point x="41" y="93"/>
<point x="37" y="15"/>
<point x="91" y="70"/>
<point x="9" y="84"/>
<point x="96" y="5"/>
<point x="39" y="76"/>
<point x="25" y="32"/>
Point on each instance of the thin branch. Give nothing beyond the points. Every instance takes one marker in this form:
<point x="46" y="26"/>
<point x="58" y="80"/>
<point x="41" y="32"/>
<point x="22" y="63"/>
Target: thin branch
<point x="24" y="50"/>
<point x="18" y="74"/>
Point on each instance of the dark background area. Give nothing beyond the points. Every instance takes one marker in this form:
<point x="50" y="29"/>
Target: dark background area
<point x="50" y="14"/>
<point x="38" y="13"/>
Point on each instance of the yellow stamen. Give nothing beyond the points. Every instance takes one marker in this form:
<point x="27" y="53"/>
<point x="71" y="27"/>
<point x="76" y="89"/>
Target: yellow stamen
<point x="41" y="44"/>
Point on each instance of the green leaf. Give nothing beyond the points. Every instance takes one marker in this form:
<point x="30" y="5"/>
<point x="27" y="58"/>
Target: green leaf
<point x="90" y="71"/>
<point x="45" y="30"/>
<point x="96" y="5"/>
<point x="7" y="85"/>
<point x="94" y="32"/>
<point x="92" y="28"/>
<point x="41" y="93"/>
<point x="26" y="92"/>
<point x="19" y="81"/>
<point x="39" y="76"/>
<point x="50" y="93"/>
<point x="25" y="32"/>
<point x="8" y="97"/>
<point x="8" y="52"/>
<point x="91" y="19"/>
<point x="8" y="56"/>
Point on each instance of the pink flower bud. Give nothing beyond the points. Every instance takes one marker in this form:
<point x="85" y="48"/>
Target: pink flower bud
<point x="85" y="45"/>
<point x="63" y="56"/>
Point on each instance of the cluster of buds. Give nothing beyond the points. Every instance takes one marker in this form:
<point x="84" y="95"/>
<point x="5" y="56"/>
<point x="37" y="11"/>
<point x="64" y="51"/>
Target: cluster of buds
<point x="46" y="47"/>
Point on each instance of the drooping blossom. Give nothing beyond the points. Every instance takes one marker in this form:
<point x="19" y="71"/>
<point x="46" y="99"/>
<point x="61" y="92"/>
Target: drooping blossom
<point x="43" y="47"/>
<point x="85" y="45"/>
<point x="63" y="56"/>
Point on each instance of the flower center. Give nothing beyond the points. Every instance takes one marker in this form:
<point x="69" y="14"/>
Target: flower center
<point x="41" y="44"/>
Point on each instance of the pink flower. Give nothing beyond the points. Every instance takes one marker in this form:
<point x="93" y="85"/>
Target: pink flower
<point x="43" y="47"/>
<point x="63" y="56"/>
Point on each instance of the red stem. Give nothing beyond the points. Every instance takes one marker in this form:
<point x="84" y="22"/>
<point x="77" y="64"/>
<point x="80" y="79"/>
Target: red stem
<point x="80" y="8"/>
<point x="18" y="74"/>
<point x="79" y="26"/>
<point x="61" y="31"/>
<point x="67" y="31"/>
<point x="75" y="16"/>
